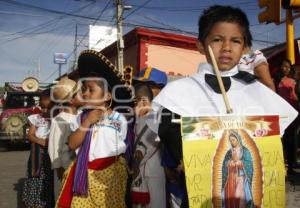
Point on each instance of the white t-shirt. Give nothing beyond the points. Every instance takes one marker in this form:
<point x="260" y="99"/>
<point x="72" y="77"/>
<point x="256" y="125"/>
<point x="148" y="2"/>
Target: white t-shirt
<point x="60" y="153"/>
<point x="249" y="61"/>
<point x="42" y="125"/>
<point x="108" y="137"/>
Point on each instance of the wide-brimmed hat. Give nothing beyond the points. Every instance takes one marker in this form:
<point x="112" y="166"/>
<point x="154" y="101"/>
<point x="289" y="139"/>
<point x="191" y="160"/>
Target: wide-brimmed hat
<point x="93" y="63"/>
<point x="64" y="90"/>
<point x="152" y="76"/>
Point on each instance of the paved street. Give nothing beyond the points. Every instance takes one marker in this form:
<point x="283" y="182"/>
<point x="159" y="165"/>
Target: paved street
<point x="13" y="172"/>
<point x="12" y="175"/>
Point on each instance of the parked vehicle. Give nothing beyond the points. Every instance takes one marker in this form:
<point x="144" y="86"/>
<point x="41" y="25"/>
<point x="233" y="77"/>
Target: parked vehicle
<point x="20" y="101"/>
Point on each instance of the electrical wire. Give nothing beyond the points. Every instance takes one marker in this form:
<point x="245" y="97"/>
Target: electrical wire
<point x="138" y="8"/>
<point x="84" y="36"/>
<point x="45" y="24"/>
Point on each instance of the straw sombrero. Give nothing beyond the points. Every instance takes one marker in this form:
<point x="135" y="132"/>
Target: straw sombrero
<point x="64" y="90"/>
<point x="93" y="62"/>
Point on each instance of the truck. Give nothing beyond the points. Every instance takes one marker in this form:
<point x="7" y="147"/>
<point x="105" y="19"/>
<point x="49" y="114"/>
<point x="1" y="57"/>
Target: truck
<point x="19" y="101"/>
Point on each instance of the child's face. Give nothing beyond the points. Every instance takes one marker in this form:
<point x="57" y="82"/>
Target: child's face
<point x="76" y="101"/>
<point x="46" y="105"/>
<point x="285" y="68"/>
<point x="227" y="43"/>
<point x="93" y="94"/>
<point x="142" y="106"/>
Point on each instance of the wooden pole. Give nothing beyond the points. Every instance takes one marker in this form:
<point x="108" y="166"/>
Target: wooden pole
<point x="220" y="81"/>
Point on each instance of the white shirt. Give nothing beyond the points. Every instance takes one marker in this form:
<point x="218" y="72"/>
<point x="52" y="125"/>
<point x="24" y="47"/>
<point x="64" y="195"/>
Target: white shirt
<point x="60" y="153"/>
<point x="42" y="125"/>
<point x="186" y="98"/>
<point x="108" y="137"/>
<point x="249" y="61"/>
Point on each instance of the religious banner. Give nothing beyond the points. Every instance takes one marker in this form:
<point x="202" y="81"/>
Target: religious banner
<point x="233" y="161"/>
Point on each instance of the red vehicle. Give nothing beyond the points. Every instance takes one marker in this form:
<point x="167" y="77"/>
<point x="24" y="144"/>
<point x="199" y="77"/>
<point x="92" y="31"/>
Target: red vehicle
<point x="20" y="101"/>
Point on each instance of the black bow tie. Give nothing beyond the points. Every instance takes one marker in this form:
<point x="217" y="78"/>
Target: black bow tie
<point x="243" y="76"/>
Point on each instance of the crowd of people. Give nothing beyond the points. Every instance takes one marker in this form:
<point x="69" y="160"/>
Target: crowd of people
<point x="87" y="151"/>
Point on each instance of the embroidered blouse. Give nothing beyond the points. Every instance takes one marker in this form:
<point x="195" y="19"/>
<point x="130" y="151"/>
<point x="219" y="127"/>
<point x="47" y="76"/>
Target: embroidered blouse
<point x="108" y="138"/>
<point x="42" y="125"/>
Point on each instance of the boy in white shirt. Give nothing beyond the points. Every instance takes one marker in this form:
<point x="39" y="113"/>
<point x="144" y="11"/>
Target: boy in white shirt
<point x="65" y="92"/>
<point x="226" y="31"/>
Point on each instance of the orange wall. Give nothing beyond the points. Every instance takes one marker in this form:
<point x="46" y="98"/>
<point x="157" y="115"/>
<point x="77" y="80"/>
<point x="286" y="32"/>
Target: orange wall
<point x="173" y="59"/>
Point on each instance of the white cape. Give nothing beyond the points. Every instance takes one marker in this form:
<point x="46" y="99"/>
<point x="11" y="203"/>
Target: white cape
<point x="191" y="96"/>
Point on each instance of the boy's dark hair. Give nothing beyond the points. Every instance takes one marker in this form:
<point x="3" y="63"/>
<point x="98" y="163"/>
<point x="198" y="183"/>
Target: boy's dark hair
<point x="143" y="90"/>
<point x="218" y="13"/>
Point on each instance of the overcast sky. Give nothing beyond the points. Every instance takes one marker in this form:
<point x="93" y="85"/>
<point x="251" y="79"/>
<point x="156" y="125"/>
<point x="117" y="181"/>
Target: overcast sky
<point x="32" y="30"/>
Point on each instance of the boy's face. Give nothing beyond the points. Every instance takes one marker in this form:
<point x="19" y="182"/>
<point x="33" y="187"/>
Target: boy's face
<point x="227" y="43"/>
<point x="76" y="100"/>
<point x="142" y="106"/>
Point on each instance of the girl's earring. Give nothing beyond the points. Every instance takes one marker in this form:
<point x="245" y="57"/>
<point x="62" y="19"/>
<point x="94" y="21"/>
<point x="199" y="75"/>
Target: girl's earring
<point x="110" y="103"/>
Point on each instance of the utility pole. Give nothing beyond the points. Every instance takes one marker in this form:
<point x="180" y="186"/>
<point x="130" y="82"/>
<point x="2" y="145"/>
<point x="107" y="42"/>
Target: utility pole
<point x="75" y="48"/>
<point x="39" y="69"/>
<point x="120" y="41"/>
<point x="290" y="36"/>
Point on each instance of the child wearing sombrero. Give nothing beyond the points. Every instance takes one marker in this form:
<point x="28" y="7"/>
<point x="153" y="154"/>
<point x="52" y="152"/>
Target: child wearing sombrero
<point x="67" y="95"/>
<point x="98" y="176"/>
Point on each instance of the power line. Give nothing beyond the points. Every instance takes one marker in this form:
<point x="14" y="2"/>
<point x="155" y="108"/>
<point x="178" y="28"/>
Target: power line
<point x="44" y="9"/>
<point x="51" y="75"/>
<point x="189" y="9"/>
<point x="169" y="26"/>
<point x="138" y="8"/>
<point x="46" y="24"/>
<point x="20" y="13"/>
<point x="101" y="13"/>
<point x="64" y="14"/>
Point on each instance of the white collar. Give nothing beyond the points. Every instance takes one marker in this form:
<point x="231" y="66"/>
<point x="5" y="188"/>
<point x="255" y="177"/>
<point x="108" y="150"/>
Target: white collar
<point x="206" y="68"/>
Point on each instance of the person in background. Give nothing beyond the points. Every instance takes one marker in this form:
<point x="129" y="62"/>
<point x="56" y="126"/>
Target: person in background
<point x="155" y="78"/>
<point x="286" y="89"/>
<point x="256" y="63"/>
<point x="148" y="185"/>
<point x="38" y="187"/>
<point x="297" y="91"/>
<point x="66" y="93"/>
<point x="297" y="86"/>
<point x="286" y="85"/>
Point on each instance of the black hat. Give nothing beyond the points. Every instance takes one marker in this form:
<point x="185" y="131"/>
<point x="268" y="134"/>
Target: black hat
<point x="94" y="63"/>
